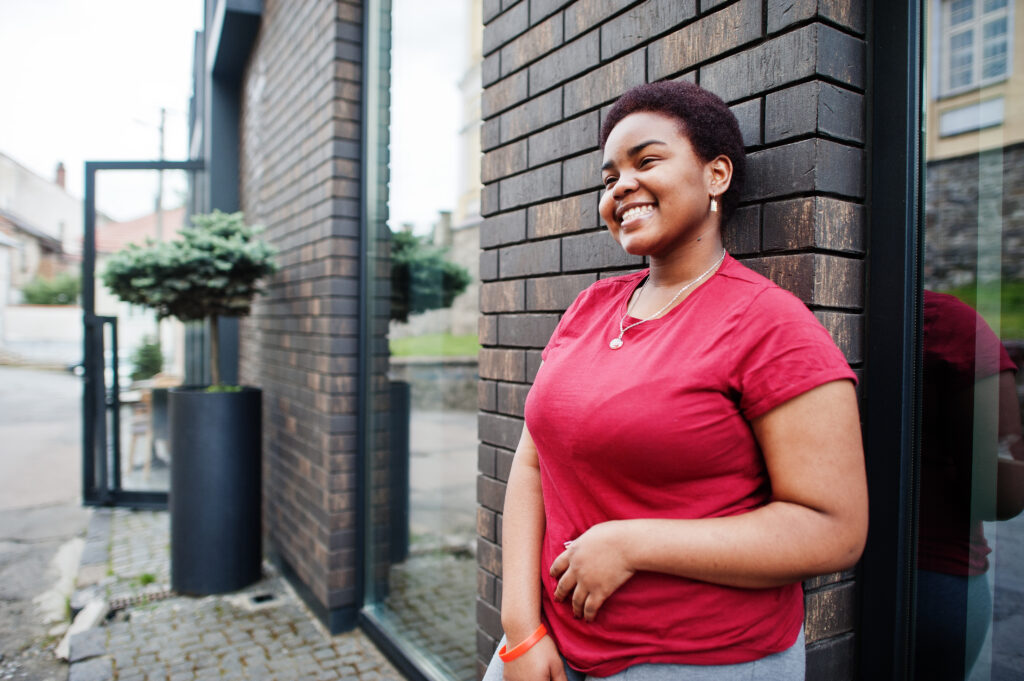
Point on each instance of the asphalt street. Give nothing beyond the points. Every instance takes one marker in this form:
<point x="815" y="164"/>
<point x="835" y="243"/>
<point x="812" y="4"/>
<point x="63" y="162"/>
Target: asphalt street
<point x="42" y="521"/>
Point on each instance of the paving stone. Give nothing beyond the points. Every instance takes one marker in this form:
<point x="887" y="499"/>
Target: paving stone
<point x="95" y="669"/>
<point x="89" y="643"/>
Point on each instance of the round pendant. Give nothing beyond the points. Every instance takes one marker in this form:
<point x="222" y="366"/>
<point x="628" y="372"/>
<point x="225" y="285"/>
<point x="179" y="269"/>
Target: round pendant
<point x="615" y="344"/>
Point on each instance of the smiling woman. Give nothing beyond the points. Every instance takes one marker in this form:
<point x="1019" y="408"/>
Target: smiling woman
<point x="677" y="496"/>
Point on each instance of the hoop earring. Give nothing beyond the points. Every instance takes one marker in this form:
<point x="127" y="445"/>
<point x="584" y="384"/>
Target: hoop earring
<point x="714" y="204"/>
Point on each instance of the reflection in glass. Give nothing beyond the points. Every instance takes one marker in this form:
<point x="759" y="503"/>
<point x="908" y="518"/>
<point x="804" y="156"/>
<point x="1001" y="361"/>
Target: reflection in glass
<point x="421" y="561"/>
<point x="970" y="553"/>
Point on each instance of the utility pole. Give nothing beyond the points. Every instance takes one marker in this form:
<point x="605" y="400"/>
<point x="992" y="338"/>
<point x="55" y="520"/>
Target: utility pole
<point x="160" y="182"/>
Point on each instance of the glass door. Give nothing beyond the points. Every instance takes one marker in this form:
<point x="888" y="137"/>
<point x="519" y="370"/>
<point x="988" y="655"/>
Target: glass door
<point x="969" y="577"/>
<point x="420" y="352"/>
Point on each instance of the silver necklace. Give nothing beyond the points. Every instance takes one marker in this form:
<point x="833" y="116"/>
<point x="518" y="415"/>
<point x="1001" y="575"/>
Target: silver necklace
<point x="616" y="343"/>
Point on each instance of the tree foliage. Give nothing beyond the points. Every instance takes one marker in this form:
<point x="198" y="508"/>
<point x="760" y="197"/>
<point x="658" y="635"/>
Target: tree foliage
<point x="213" y="270"/>
<point x="421" y="278"/>
<point x="62" y="289"/>
<point x="148" y="360"/>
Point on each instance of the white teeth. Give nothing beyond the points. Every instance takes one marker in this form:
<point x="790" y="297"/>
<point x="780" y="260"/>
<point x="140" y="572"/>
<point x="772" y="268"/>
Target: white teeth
<point x="637" y="212"/>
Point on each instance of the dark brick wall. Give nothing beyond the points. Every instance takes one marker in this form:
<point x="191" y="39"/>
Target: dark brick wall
<point x="794" y="73"/>
<point x="300" y="134"/>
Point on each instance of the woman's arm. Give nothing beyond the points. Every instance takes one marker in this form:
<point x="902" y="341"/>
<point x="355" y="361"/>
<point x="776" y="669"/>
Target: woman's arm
<point x="522" y="532"/>
<point x="815" y="523"/>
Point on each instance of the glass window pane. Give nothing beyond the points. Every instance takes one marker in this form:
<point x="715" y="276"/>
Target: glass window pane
<point x="993" y="5"/>
<point x="961" y="11"/>
<point x="422" y="564"/>
<point x="971" y="531"/>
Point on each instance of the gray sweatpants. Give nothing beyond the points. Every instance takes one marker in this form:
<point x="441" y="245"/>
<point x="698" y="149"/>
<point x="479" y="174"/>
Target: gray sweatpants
<point x="785" y="666"/>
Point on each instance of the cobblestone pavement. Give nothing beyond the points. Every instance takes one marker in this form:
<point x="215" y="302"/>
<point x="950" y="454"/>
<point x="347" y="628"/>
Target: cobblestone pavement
<point x="432" y="589"/>
<point x="262" y="632"/>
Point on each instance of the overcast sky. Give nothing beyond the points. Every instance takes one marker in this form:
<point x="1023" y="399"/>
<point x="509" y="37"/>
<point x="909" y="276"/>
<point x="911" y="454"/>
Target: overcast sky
<point x="85" y="80"/>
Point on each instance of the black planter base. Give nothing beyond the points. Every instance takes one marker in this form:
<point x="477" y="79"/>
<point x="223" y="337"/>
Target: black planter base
<point x="215" y="490"/>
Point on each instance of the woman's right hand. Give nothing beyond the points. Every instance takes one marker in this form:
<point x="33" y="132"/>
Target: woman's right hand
<point x="540" y="663"/>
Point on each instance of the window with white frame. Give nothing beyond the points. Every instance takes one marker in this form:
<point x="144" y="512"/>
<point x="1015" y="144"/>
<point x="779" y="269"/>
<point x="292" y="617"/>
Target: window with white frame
<point x="975" y="43"/>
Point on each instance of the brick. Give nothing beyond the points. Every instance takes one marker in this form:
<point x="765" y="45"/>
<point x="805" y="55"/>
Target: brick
<point x="487" y="395"/>
<point x="572" y="214"/>
<point x="503" y="466"/>
<point x="502" y="229"/>
<point x="531" y="187"/>
<point x="491" y="9"/>
<point x="809" y="51"/>
<point x="536" y="42"/>
<point x="704" y="40"/>
<point x="541" y="9"/>
<point x="784" y="13"/>
<point x="503" y="431"/>
<point x="488" y="265"/>
<point x="641" y="23"/>
<point x="490" y="493"/>
<point x="582" y="172"/>
<point x="487" y="329"/>
<point x="748" y="115"/>
<point x="485" y="454"/>
<point x="832" y="659"/>
<point x="512" y="398"/>
<point x="526" y="330"/>
<point x="594" y="251"/>
<point x="742" y="234"/>
<point x="821" y="581"/>
<point x="555" y="293"/>
<point x="535" y="114"/>
<point x="489" y="558"/>
<point x="814" y="165"/>
<point x="585" y="14"/>
<point x="490" y="134"/>
<point x="490" y="69"/>
<point x="567" y="139"/>
<point x="814" y="107"/>
<point x="502" y="296"/>
<point x="502" y="365"/>
<point x="489" y="199"/>
<point x="814" y="222"/>
<point x="504" y="94"/>
<point x="488" y="619"/>
<point x="605" y="84"/>
<point x="506" y="27"/>
<point x="533" y="362"/>
<point x="566" y="62"/>
<point x="847" y="331"/>
<point x="539" y="257"/>
<point x="816" y="278"/>
<point x="504" y="161"/>
<point x="829" y="612"/>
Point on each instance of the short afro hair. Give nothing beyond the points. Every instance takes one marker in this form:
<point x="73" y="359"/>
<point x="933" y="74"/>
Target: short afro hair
<point x="703" y="118"/>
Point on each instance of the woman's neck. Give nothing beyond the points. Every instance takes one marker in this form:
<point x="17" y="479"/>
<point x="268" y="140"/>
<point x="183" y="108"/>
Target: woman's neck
<point x="685" y="264"/>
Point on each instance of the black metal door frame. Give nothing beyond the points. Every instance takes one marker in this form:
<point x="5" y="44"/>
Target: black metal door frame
<point x="101" y="446"/>
<point x="891" y="409"/>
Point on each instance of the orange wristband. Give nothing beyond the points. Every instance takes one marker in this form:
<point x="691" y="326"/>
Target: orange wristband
<point x="531" y="640"/>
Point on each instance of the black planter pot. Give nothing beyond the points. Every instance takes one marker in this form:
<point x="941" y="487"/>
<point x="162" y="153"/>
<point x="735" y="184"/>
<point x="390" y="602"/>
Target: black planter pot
<point x="215" y="489"/>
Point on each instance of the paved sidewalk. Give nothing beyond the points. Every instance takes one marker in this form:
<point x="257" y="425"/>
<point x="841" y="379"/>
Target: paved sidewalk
<point x="262" y="632"/>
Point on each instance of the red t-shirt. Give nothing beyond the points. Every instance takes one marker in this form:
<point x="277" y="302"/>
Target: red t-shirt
<point x="660" y="429"/>
<point x="959" y="350"/>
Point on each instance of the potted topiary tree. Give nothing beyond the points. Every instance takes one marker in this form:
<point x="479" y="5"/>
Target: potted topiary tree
<point x="213" y="270"/>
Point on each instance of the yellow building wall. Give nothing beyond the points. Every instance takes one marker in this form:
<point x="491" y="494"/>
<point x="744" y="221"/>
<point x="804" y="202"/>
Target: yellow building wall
<point x="1012" y="89"/>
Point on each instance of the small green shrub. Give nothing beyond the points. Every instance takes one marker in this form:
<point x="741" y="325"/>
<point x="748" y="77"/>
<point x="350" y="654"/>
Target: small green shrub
<point x="147" y="361"/>
<point x="62" y="289"/>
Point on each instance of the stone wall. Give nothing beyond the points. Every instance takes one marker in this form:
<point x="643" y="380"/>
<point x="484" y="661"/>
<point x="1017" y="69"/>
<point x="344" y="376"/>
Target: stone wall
<point x="963" y="193"/>
<point x="794" y="74"/>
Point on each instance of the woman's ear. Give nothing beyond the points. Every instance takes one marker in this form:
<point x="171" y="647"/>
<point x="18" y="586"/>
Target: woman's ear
<point x="719" y="175"/>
